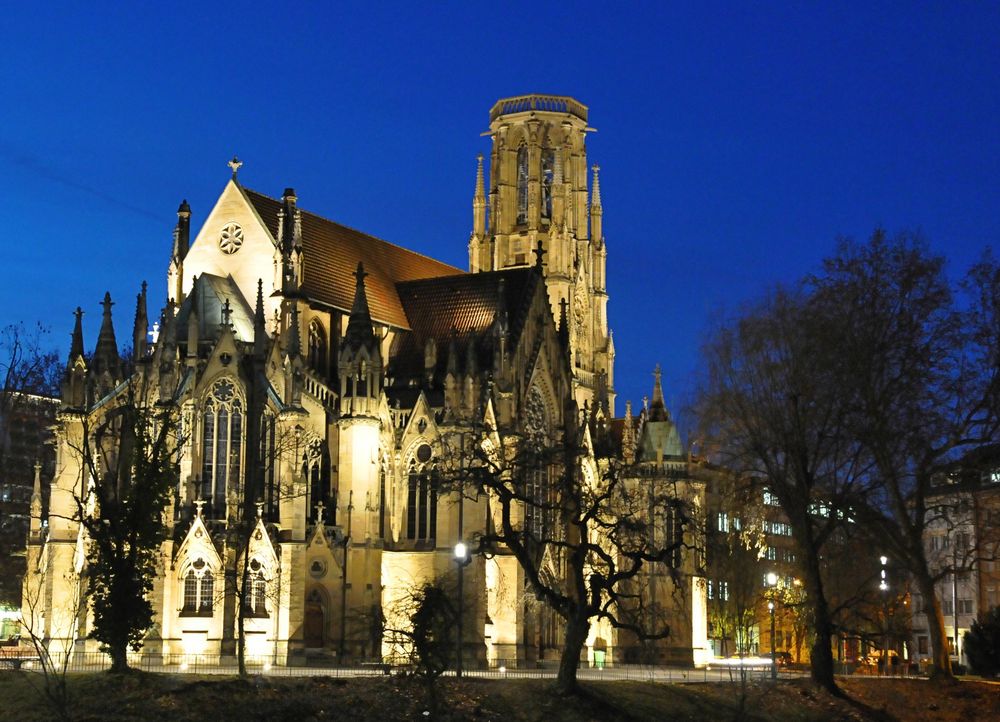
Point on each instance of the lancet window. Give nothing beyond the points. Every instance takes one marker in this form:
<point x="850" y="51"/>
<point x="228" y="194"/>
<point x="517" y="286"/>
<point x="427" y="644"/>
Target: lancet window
<point x="268" y="454"/>
<point x="222" y="446"/>
<point x="317" y="348"/>
<point x="255" y="593"/>
<point x="522" y="185"/>
<point x="316" y="471"/>
<point x="199" y="588"/>
<point x="537" y="485"/>
<point x="548" y="169"/>
<point x="421" y="497"/>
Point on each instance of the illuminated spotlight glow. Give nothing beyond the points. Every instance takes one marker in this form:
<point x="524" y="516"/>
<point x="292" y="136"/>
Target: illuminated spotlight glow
<point x="267" y="666"/>
<point x="184" y="666"/>
<point x="503" y="670"/>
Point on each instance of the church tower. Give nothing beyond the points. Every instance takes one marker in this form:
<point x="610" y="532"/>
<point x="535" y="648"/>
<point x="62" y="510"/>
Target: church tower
<point x="537" y="203"/>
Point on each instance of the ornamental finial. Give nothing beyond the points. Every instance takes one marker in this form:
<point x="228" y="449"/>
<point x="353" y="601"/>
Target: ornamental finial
<point x="235" y="164"/>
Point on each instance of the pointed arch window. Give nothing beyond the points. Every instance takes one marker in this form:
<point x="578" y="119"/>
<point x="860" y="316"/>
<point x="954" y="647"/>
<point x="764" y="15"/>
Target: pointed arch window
<point x="199" y="589"/>
<point x="522" y="185"/>
<point x="548" y="169"/>
<point x="255" y="593"/>
<point x="537" y="478"/>
<point x="316" y="472"/>
<point x="222" y="446"/>
<point x="421" y="498"/>
<point x="317" y="348"/>
<point x="269" y="457"/>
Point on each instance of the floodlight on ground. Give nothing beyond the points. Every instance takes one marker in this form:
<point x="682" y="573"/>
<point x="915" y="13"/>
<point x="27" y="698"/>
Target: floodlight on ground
<point x="461" y="550"/>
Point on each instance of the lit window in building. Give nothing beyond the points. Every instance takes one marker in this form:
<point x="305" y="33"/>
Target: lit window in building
<point x="256" y="591"/>
<point x="722" y="521"/>
<point x="222" y="445"/>
<point x="770" y="499"/>
<point x="421" y="498"/>
<point x="199" y="587"/>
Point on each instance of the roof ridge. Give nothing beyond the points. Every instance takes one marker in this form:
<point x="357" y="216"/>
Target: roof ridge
<point x="363" y="233"/>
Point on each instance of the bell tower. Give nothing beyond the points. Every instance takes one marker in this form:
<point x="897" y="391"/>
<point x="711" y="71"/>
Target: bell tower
<point x="538" y="194"/>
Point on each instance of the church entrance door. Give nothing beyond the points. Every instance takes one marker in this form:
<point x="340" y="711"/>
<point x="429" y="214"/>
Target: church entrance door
<point x="313" y="627"/>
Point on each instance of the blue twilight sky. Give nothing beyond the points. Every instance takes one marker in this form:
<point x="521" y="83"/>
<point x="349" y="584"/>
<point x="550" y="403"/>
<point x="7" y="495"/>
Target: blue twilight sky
<point x="736" y="142"/>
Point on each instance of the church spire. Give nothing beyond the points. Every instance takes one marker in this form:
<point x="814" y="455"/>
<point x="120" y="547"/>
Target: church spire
<point x="141" y="326"/>
<point x="107" y="362"/>
<point x="259" y="328"/>
<point x="74" y="383"/>
<point x="476" y="242"/>
<point x="596" y="210"/>
<point x="359" y="326"/>
<point x="76" y="345"/>
<point x="658" y="408"/>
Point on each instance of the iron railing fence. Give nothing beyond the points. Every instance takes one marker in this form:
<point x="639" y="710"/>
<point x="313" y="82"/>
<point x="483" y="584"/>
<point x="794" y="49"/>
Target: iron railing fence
<point x="90" y="662"/>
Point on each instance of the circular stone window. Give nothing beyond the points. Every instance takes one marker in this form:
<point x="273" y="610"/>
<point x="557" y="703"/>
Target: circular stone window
<point x="317" y="569"/>
<point x="230" y="238"/>
<point x="423" y="453"/>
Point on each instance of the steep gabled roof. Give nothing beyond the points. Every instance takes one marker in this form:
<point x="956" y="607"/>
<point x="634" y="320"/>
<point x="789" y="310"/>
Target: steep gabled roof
<point x="468" y="304"/>
<point x="332" y="253"/>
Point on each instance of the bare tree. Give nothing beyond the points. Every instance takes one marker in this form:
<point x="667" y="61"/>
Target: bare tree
<point x="30" y="378"/>
<point x="769" y="404"/>
<point x="551" y="499"/>
<point x="52" y="662"/>
<point x="920" y="366"/>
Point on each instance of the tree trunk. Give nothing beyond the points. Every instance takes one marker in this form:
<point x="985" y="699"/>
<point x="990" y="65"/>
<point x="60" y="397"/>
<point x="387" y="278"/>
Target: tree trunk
<point x="577" y="629"/>
<point x="119" y="658"/>
<point x="940" y="658"/>
<point x="821" y="656"/>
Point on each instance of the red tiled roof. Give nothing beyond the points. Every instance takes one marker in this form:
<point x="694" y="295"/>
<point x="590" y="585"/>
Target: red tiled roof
<point x="331" y="253"/>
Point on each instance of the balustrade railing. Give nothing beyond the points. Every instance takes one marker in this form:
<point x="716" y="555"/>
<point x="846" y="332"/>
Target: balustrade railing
<point x="547" y="103"/>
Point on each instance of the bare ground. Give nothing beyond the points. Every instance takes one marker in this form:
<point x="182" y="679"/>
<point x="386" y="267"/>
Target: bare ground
<point x="149" y="697"/>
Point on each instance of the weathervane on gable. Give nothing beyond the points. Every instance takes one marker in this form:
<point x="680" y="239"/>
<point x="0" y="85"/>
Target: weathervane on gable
<point x="235" y="164"/>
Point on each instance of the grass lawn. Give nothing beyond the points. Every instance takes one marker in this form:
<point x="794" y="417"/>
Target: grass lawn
<point x="150" y="697"/>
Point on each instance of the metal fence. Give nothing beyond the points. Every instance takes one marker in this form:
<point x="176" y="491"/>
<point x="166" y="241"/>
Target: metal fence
<point x="495" y="669"/>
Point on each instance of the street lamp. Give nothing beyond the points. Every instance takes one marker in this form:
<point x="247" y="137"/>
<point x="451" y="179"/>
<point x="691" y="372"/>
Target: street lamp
<point x="883" y="586"/>
<point x="772" y="582"/>
<point x="462" y="559"/>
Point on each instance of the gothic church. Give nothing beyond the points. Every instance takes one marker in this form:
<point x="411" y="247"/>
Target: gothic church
<point x="338" y="371"/>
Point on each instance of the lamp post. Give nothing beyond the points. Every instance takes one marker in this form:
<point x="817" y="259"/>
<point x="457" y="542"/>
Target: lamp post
<point x="772" y="581"/>
<point x="461" y="559"/>
<point x="883" y="586"/>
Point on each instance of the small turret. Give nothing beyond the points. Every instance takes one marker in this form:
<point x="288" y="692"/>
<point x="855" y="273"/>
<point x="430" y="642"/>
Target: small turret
<point x="360" y="361"/>
<point x="35" y="524"/>
<point x="259" y="327"/>
<point x="480" y="258"/>
<point x="564" y="325"/>
<point x="106" y="363"/>
<point x="140" y="328"/>
<point x="596" y="210"/>
<point x="74" y="383"/>
<point x="628" y="435"/>
<point x="658" y="408"/>
<point x="166" y="351"/>
<point x="182" y="242"/>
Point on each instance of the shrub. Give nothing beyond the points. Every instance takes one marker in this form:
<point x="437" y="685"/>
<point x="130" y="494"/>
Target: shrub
<point x="982" y="644"/>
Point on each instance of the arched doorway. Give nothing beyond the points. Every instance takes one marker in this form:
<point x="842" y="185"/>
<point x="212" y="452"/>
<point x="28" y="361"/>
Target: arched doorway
<point x="314" y="626"/>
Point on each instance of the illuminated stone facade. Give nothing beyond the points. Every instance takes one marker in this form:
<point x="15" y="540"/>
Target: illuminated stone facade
<point x="338" y="377"/>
